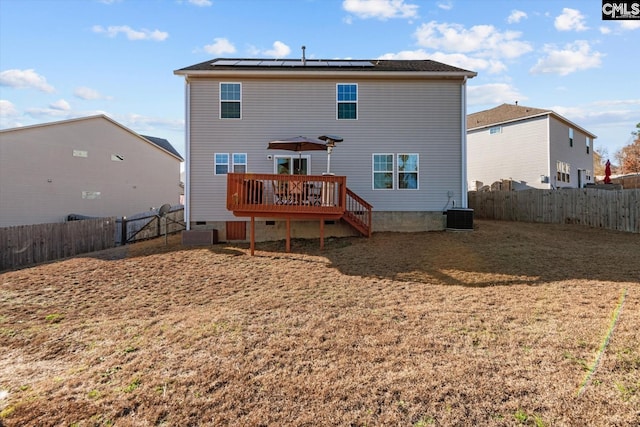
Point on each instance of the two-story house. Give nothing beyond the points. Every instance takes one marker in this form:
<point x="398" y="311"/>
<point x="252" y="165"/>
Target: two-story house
<point x="90" y="166"/>
<point x="402" y="157"/>
<point x="529" y="148"/>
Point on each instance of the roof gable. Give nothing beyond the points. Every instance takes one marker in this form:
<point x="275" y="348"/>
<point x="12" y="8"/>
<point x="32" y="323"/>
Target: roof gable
<point x="501" y="114"/>
<point x="507" y="113"/>
<point x="163" y="144"/>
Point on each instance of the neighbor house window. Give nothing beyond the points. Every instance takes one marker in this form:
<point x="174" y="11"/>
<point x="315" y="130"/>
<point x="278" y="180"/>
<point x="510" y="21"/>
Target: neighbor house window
<point x="570" y="137"/>
<point x="221" y="163"/>
<point x="408" y="171"/>
<point x="495" y="129"/>
<point x="230" y="100"/>
<point x="563" y="171"/>
<point x="347" y="99"/>
<point x="588" y="144"/>
<point x="239" y="162"/>
<point x="383" y="171"/>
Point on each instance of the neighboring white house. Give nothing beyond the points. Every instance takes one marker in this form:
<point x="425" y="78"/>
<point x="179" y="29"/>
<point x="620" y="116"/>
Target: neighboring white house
<point x="402" y="121"/>
<point x="91" y="166"/>
<point x="529" y="147"/>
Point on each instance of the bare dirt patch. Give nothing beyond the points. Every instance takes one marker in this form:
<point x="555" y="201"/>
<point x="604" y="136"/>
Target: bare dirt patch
<point x="501" y="326"/>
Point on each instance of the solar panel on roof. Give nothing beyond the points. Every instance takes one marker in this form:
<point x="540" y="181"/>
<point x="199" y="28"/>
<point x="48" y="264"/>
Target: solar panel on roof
<point x="317" y="64"/>
<point x="361" y="64"/>
<point x="225" y="62"/>
<point x="271" y="64"/>
<point x="291" y="63"/>
<point x="249" y="63"/>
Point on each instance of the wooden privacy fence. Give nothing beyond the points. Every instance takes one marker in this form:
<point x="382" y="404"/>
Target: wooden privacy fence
<point x="30" y="244"/>
<point x="610" y="209"/>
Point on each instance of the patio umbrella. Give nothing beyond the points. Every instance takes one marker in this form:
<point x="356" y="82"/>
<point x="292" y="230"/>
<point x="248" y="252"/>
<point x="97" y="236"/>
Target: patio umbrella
<point x="298" y="144"/>
<point x="331" y="142"/>
<point x="607" y="172"/>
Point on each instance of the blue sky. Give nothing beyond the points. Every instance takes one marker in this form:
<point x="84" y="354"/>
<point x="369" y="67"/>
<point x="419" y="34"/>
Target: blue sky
<point x="61" y="59"/>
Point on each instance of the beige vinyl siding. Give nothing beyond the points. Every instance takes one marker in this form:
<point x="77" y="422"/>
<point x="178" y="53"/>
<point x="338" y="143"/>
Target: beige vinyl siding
<point x="41" y="181"/>
<point x="519" y="153"/>
<point x="394" y="116"/>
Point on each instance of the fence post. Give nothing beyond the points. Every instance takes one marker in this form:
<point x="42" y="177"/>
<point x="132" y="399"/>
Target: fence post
<point x="123" y="231"/>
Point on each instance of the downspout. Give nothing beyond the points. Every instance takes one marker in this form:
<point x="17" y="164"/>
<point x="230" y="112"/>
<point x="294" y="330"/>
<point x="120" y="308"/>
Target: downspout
<point x="187" y="153"/>
<point x="463" y="143"/>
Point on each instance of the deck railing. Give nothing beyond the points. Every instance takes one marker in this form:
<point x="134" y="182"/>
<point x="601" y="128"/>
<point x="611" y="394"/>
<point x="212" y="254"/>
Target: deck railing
<point x="271" y="195"/>
<point x="358" y="213"/>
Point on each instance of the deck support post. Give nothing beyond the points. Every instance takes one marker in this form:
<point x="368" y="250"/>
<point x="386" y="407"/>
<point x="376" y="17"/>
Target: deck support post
<point x="321" y="233"/>
<point x="288" y="244"/>
<point x="253" y="234"/>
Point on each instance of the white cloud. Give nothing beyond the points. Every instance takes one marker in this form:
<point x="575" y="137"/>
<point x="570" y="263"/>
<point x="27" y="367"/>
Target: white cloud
<point x="446" y="6"/>
<point x="570" y="20"/>
<point x="88" y="94"/>
<point x="516" y="16"/>
<point x="573" y="57"/>
<point x="25" y="79"/>
<point x="454" y="59"/>
<point x="146" y="123"/>
<point x="493" y="93"/>
<point x="201" y="3"/>
<point x="629" y="25"/>
<point x="485" y="40"/>
<point x="280" y="50"/>
<point x="61" y="105"/>
<point x="380" y="9"/>
<point x="605" y="30"/>
<point x="221" y="46"/>
<point x="130" y="33"/>
<point x="7" y="109"/>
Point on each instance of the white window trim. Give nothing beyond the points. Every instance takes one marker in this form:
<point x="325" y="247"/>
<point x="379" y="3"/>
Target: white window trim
<point x="495" y="130"/>
<point x="348" y="102"/>
<point x="417" y="172"/>
<point x="291" y="158"/>
<point x="220" y="101"/>
<point x="373" y="171"/>
<point x="233" y="163"/>
<point x="216" y="164"/>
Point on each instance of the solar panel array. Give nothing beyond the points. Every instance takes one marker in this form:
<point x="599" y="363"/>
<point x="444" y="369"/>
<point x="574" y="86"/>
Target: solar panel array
<point x="289" y="63"/>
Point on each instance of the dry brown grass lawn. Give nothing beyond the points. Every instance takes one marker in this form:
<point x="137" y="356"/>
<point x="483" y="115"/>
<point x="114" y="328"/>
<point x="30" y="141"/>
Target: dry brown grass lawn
<point x="497" y="327"/>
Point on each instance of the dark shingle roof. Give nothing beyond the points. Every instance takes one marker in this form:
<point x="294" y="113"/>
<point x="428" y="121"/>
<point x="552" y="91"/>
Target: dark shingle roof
<point x="164" y="144"/>
<point x="501" y="114"/>
<point x="376" y="65"/>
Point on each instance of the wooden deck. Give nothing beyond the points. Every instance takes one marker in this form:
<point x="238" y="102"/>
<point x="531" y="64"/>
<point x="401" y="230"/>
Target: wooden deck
<point x="296" y="197"/>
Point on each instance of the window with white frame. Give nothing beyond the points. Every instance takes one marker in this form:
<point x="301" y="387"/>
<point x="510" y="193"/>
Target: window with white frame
<point x="292" y="165"/>
<point x="495" y="129"/>
<point x="383" y="171"/>
<point x="221" y="166"/>
<point x="408" y="171"/>
<point x="347" y="100"/>
<point x="563" y="172"/>
<point x="239" y="162"/>
<point x="588" y="144"/>
<point x="570" y="137"/>
<point x="230" y="100"/>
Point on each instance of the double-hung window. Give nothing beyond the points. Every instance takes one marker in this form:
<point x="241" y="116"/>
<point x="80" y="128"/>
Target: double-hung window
<point x="383" y="171"/>
<point x="407" y="171"/>
<point x="230" y="100"/>
<point x="239" y="162"/>
<point x="221" y="166"/>
<point x="570" y="137"/>
<point x="347" y="100"/>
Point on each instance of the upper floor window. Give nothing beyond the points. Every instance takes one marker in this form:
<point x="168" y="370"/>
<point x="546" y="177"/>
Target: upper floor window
<point x="408" y="171"/>
<point x="570" y="137"/>
<point x="383" y="171"/>
<point x="588" y="144"/>
<point x="495" y="129"/>
<point x="239" y="162"/>
<point x="347" y="99"/>
<point x="221" y="166"/>
<point x="230" y="100"/>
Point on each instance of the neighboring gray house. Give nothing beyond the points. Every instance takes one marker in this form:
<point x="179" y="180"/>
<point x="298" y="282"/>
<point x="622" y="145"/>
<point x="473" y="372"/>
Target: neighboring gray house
<point x="90" y="166"/>
<point x="528" y="147"/>
<point x="402" y="122"/>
